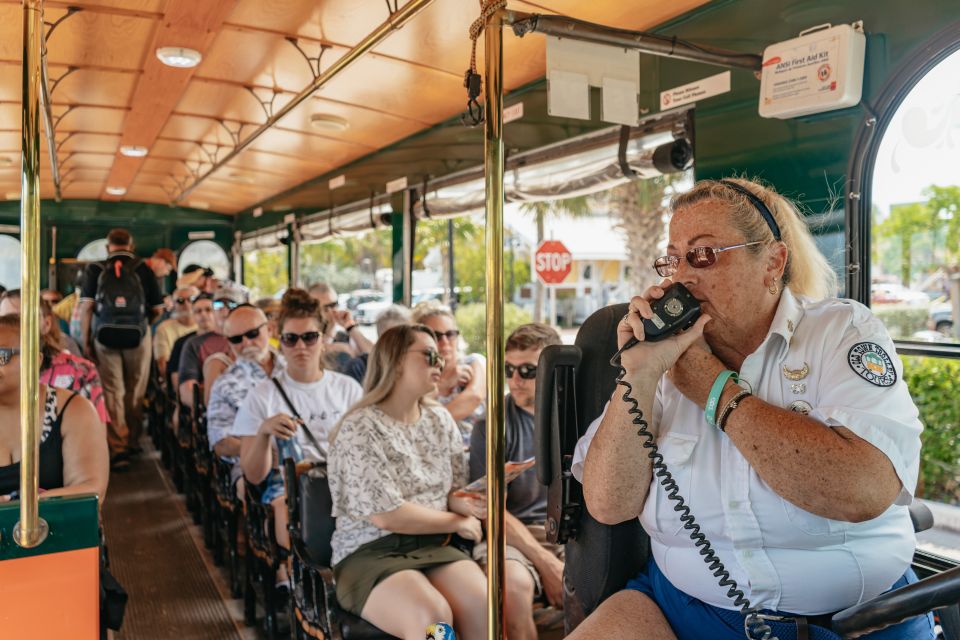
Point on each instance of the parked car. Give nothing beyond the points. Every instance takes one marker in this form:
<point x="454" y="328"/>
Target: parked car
<point x="941" y="317"/>
<point x="359" y="296"/>
<point x="892" y="293"/>
<point x="368" y="312"/>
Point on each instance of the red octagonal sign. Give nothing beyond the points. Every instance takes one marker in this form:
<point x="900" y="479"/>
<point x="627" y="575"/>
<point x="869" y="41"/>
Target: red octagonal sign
<point x="552" y="262"/>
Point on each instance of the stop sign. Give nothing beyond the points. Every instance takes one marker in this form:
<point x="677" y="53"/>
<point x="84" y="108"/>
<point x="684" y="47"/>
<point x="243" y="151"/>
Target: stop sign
<point x="552" y="262"/>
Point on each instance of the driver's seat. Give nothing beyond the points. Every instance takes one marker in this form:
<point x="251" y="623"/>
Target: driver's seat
<point x="573" y="385"/>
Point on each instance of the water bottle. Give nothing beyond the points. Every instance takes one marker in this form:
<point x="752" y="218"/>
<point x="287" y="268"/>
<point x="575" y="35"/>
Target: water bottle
<point x="289" y="449"/>
<point x="440" y="631"/>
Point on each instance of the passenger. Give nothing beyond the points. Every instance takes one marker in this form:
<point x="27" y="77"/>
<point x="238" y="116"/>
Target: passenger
<point x="218" y="361"/>
<point x="203" y="345"/>
<point x="178" y="325"/>
<point x="126" y="295"/>
<point x="395" y="460"/>
<point x="537" y="565"/>
<point x="201" y="307"/>
<point x="163" y="262"/>
<point x="341" y="335"/>
<point x="51" y="295"/>
<point x="10" y="303"/>
<point x="74" y="458"/>
<point x="463" y="387"/>
<point x="317" y="400"/>
<point x="271" y="309"/>
<point x="392" y="316"/>
<point x="803" y="486"/>
<point x="196" y="276"/>
<point x="255" y="362"/>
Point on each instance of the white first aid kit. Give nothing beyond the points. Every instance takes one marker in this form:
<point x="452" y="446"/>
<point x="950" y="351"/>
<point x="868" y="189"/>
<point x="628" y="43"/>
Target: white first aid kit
<point x="821" y="70"/>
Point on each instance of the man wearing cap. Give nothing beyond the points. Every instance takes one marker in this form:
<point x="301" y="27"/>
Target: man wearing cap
<point x="196" y="276"/>
<point x="124" y="370"/>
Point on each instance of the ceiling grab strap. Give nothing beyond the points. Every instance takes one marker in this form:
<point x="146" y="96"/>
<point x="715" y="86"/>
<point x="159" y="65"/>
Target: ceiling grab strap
<point x="471" y="79"/>
<point x="373" y="223"/>
<point x="625" y="167"/>
<point x="423" y="200"/>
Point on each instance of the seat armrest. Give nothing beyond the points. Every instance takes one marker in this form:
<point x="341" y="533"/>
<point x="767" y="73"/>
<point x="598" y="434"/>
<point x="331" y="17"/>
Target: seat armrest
<point x="920" y="516"/>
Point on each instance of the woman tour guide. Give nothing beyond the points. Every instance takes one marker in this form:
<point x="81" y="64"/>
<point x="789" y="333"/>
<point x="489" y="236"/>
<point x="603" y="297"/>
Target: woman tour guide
<point x="785" y="421"/>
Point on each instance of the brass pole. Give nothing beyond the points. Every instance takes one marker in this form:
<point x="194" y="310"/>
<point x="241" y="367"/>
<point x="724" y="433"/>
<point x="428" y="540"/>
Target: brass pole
<point x="493" y="168"/>
<point x="31" y="530"/>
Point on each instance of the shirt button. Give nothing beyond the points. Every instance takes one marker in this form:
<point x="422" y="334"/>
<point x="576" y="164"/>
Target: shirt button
<point x="734" y="504"/>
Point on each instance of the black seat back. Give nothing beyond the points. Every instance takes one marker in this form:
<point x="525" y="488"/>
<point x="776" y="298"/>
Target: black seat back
<point x="311" y="509"/>
<point x="600" y="558"/>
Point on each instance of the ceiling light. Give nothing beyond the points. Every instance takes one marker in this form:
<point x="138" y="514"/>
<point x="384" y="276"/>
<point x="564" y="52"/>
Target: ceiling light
<point x="12" y="195"/>
<point x="133" y="151"/>
<point x="116" y="191"/>
<point x="179" y="57"/>
<point x="328" y="122"/>
<point x="199" y="205"/>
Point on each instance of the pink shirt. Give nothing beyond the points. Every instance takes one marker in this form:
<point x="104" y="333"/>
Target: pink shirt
<point x="72" y="373"/>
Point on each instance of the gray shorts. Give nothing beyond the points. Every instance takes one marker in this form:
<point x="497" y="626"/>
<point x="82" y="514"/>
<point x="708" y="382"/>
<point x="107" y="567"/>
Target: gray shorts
<point x="480" y="555"/>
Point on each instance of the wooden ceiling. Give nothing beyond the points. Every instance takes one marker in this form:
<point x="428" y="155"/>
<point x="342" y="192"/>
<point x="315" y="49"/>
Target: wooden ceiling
<point x="109" y="89"/>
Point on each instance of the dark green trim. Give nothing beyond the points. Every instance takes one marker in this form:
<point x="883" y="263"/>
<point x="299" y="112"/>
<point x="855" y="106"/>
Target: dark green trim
<point x="73" y="520"/>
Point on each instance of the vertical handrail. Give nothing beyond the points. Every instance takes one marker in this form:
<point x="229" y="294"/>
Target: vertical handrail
<point x="31" y="530"/>
<point x="493" y="171"/>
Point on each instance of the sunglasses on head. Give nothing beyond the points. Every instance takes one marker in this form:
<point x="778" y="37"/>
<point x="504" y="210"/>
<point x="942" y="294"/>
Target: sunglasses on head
<point x="6" y="355"/>
<point x="698" y="257"/>
<point x="434" y="359"/>
<point x="526" y="371"/>
<point x="253" y="334"/>
<point x="452" y="334"/>
<point x="291" y="339"/>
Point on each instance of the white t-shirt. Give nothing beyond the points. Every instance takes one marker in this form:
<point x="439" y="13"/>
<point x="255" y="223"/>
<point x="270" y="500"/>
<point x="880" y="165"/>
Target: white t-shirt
<point x="321" y="404"/>
<point x="835" y="359"/>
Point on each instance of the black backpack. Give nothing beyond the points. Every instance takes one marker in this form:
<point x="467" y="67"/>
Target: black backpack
<point x="120" y="305"/>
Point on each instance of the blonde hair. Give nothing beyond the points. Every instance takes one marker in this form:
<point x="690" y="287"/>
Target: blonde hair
<point x="807" y="272"/>
<point x="430" y="308"/>
<point x="383" y="369"/>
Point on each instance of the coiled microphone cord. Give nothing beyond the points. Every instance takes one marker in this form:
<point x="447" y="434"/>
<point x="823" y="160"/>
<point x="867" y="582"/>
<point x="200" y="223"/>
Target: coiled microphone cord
<point x="754" y="625"/>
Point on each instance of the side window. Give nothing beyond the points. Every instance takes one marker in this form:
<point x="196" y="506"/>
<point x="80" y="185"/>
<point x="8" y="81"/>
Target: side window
<point x="9" y="262"/>
<point x="95" y="251"/>
<point x="206" y="253"/>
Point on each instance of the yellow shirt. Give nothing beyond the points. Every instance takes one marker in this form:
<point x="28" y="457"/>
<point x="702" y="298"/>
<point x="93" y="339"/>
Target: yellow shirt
<point x="64" y="308"/>
<point x="168" y="332"/>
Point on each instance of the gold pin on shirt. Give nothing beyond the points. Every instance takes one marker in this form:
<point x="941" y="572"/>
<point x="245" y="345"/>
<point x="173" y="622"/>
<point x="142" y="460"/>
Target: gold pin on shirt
<point x="796" y="374"/>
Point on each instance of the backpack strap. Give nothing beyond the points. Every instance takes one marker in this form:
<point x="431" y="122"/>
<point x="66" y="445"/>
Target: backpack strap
<point x="303" y="423"/>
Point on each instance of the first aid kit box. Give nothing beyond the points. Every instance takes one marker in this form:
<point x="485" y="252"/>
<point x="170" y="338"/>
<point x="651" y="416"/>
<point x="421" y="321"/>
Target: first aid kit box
<point x="819" y="71"/>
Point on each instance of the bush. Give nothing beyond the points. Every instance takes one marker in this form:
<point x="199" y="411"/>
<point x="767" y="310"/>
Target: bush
<point x="902" y="321"/>
<point x="472" y="321"/>
<point x="935" y="386"/>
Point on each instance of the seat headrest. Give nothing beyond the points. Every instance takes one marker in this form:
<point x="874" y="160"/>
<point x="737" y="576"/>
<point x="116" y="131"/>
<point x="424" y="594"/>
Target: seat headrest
<point x="596" y="379"/>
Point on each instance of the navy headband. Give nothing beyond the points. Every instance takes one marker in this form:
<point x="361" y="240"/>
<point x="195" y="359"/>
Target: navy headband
<point x="758" y="204"/>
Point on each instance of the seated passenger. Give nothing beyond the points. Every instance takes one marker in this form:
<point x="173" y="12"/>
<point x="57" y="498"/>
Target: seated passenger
<point x="395" y="460"/>
<point x="201" y="308"/>
<point x="463" y="386"/>
<point x="203" y="345"/>
<point x="179" y="324"/>
<point x="73" y="441"/>
<point x="271" y="309"/>
<point x="537" y="565"/>
<point x="246" y="332"/>
<point x="392" y="316"/>
<point x="311" y="402"/>
<point x="799" y="475"/>
<point x="10" y="303"/>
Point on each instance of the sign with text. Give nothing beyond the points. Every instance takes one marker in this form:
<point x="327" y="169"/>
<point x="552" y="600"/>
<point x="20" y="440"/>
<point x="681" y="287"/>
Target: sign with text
<point x="704" y="88"/>
<point x="552" y="262"/>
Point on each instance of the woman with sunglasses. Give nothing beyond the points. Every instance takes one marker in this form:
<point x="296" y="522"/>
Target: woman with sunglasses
<point x="73" y="439"/>
<point x="395" y="460"/>
<point x="785" y="422"/>
<point x="462" y="388"/>
<point x="302" y="403"/>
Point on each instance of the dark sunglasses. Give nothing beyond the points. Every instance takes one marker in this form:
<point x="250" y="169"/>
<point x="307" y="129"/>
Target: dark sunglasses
<point x="698" y="257"/>
<point x="223" y="304"/>
<point x="434" y="359"/>
<point x="291" y="339"/>
<point x="253" y="334"/>
<point x="6" y="355"/>
<point x="181" y="300"/>
<point x="453" y="334"/>
<point x="526" y="371"/>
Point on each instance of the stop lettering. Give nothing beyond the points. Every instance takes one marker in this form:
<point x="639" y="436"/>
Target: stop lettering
<point x="552" y="262"/>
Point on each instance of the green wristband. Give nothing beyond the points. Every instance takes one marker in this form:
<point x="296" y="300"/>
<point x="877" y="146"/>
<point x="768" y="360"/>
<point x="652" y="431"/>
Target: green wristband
<point x="710" y="411"/>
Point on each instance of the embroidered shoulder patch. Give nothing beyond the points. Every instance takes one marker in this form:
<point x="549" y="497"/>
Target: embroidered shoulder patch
<point x="869" y="361"/>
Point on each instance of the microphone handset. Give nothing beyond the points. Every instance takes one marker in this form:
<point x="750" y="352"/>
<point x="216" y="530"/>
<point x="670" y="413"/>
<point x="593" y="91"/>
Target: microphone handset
<point x="675" y="312"/>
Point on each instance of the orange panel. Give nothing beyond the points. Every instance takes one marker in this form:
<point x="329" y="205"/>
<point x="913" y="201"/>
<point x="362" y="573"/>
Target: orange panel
<point x="11" y="32"/>
<point x="258" y="58"/>
<point x="90" y="38"/>
<point x="92" y="86"/>
<point x="51" y="597"/>
<point x="287" y="16"/>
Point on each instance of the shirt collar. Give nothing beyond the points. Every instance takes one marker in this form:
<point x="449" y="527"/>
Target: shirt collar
<point x="785" y="321"/>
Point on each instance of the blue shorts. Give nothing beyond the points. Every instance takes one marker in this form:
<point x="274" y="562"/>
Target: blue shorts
<point x="272" y="487"/>
<point x="692" y="619"/>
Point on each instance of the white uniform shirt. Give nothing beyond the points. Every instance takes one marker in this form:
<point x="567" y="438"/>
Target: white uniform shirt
<point x="785" y="558"/>
<point x="321" y="404"/>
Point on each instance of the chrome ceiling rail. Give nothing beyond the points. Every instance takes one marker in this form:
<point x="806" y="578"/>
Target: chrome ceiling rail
<point x="658" y="45"/>
<point x="378" y="35"/>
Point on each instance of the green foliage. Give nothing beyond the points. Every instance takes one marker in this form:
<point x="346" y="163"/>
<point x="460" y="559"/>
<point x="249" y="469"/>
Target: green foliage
<point x="935" y="386"/>
<point x="901" y="320"/>
<point x="265" y="272"/>
<point x="944" y="203"/>
<point x="346" y="263"/>
<point x="472" y="322"/>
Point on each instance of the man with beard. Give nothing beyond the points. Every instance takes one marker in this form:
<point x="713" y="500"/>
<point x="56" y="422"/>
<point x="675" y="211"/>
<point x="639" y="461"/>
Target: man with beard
<point x="246" y="331"/>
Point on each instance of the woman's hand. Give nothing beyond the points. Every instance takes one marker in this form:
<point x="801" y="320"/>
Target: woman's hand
<point x="464" y="375"/>
<point x="654" y="358"/>
<point x="280" y="425"/>
<point x="468" y="506"/>
<point x="469" y="529"/>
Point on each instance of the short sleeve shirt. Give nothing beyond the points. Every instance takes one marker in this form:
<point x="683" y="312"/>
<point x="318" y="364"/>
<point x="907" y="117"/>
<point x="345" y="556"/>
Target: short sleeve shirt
<point x="228" y="392"/>
<point x="73" y="373"/>
<point x="196" y="351"/>
<point x="166" y="336"/>
<point x="151" y="290"/>
<point x="480" y="413"/>
<point x="378" y="463"/>
<point x="834" y="360"/>
<point x="321" y="404"/>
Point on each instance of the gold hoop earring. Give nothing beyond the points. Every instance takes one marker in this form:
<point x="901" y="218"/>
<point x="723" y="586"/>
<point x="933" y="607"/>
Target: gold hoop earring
<point x="774" y="288"/>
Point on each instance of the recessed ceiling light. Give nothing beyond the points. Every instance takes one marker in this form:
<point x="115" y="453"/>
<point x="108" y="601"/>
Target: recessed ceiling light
<point x="179" y="57"/>
<point x="116" y="191"/>
<point x="12" y="195"/>
<point x="328" y="122"/>
<point x="199" y="204"/>
<point x="133" y="151"/>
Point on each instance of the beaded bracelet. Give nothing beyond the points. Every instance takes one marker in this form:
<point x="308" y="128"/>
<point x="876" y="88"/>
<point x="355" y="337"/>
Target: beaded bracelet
<point x="729" y="407"/>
